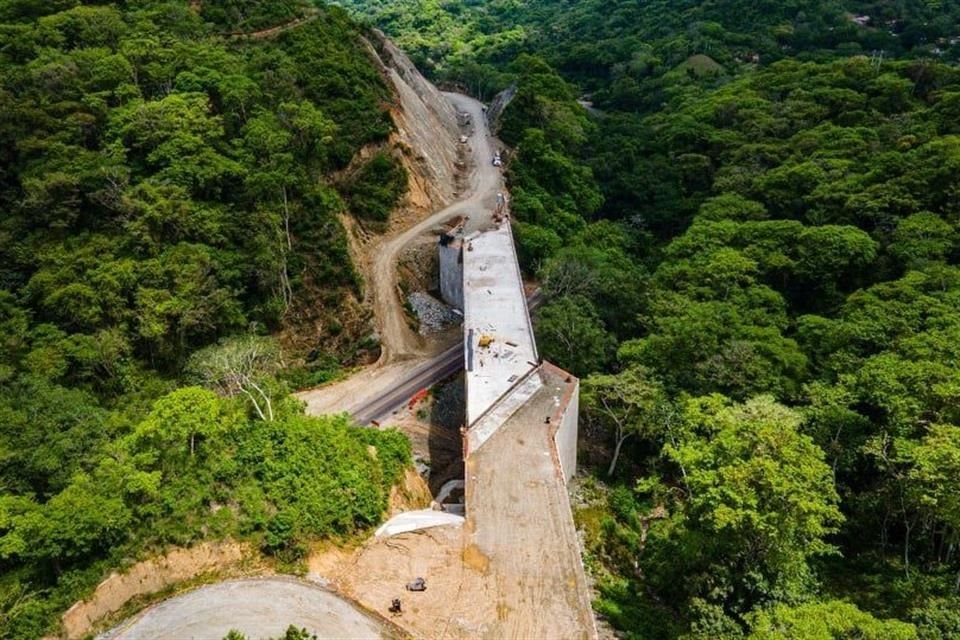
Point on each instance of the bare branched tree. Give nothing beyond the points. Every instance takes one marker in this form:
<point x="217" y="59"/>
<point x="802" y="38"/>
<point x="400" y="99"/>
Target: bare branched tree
<point x="630" y="403"/>
<point x="239" y="366"/>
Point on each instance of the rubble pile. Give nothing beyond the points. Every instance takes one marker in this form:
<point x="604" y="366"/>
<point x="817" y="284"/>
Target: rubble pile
<point x="434" y="316"/>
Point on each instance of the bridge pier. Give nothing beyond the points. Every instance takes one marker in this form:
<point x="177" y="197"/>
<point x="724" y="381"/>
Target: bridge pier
<point x="451" y="267"/>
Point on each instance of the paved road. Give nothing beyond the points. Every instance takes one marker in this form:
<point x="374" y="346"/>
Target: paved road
<point x="421" y="376"/>
<point x="258" y="608"/>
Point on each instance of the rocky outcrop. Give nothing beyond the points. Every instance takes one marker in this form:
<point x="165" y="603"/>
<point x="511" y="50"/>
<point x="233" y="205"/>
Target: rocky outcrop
<point x="499" y="104"/>
<point x="427" y="128"/>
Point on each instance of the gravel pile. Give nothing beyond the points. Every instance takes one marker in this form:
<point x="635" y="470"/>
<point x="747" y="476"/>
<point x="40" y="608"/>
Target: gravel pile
<point x="434" y="316"/>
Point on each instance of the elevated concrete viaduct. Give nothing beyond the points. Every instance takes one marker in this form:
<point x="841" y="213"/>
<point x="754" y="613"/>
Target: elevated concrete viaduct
<point x="520" y="445"/>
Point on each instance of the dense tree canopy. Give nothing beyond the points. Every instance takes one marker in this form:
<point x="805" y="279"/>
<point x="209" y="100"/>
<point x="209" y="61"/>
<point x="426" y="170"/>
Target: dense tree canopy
<point x="762" y="215"/>
<point x="747" y="244"/>
<point x="632" y="54"/>
<point x="170" y="198"/>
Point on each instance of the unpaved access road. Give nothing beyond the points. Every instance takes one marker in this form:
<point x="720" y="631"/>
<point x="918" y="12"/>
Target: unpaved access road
<point x="478" y="203"/>
<point x="258" y="608"/>
<point x="403" y="351"/>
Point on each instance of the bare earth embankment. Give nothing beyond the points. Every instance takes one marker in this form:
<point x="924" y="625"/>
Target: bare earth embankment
<point x="403" y="349"/>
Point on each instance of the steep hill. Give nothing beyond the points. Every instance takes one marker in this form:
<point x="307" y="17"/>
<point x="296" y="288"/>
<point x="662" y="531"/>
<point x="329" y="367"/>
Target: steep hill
<point x="174" y="176"/>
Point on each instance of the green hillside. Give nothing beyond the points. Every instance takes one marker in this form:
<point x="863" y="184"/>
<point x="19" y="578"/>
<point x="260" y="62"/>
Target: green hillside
<point x="168" y="205"/>
<point x="750" y="257"/>
<point x="748" y="248"/>
<point x="632" y="42"/>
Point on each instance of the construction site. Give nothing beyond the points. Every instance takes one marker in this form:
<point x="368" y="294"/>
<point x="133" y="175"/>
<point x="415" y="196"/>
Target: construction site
<point x="511" y="566"/>
<point x="495" y="553"/>
<point x="498" y="551"/>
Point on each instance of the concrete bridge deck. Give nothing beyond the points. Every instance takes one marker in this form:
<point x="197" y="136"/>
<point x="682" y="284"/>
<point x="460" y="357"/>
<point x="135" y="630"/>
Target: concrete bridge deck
<point x="519" y="527"/>
<point x="520" y="449"/>
<point x="494" y="308"/>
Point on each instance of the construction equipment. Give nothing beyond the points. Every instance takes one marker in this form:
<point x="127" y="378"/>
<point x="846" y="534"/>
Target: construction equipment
<point x="417" y="585"/>
<point x="418" y="397"/>
<point x="485" y="341"/>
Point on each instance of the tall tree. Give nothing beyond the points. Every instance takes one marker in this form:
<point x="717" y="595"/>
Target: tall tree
<point x="628" y="404"/>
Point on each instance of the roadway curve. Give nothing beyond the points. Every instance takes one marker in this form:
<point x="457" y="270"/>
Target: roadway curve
<point x="398" y="340"/>
<point x="404" y="363"/>
<point x="258" y="608"/>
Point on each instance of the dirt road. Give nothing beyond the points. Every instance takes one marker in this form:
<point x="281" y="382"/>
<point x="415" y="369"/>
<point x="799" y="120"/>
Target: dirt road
<point x="478" y="203"/>
<point x="402" y="349"/>
<point x="258" y="608"/>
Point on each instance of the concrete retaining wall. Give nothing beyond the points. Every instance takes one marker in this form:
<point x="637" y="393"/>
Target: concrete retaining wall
<point x="566" y="436"/>
<point x="451" y="273"/>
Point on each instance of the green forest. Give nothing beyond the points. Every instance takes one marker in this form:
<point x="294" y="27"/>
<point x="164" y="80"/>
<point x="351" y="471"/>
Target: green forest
<point x="170" y="195"/>
<point x="749" y="248"/>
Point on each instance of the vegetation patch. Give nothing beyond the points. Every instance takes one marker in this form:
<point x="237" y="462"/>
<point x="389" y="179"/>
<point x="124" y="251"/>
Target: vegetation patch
<point x="374" y="191"/>
<point x="195" y="468"/>
<point x="167" y="206"/>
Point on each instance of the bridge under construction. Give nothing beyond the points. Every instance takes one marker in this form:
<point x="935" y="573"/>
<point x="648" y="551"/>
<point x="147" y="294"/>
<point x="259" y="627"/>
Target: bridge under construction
<point x="520" y="447"/>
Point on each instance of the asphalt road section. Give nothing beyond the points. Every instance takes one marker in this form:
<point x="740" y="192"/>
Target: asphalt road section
<point x="257" y="608"/>
<point x="422" y="376"/>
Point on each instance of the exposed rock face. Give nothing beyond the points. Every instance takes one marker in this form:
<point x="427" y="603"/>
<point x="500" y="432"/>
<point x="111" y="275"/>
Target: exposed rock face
<point x="427" y="128"/>
<point x="499" y="104"/>
<point x="434" y="316"/>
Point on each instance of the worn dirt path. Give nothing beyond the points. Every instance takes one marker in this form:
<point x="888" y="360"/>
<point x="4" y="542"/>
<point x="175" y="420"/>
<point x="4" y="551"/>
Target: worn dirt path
<point x="399" y="341"/>
<point x="402" y="349"/>
<point x="270" y="32"/>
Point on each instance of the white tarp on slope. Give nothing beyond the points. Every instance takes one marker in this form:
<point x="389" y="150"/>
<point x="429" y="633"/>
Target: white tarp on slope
<point x="417" y="520"/>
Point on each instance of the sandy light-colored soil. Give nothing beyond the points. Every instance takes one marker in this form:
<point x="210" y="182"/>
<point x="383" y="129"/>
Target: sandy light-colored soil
<point x="447" y="609"/>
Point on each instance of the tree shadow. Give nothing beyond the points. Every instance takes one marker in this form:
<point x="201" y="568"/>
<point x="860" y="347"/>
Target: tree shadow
<point x="445" y="443"/>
